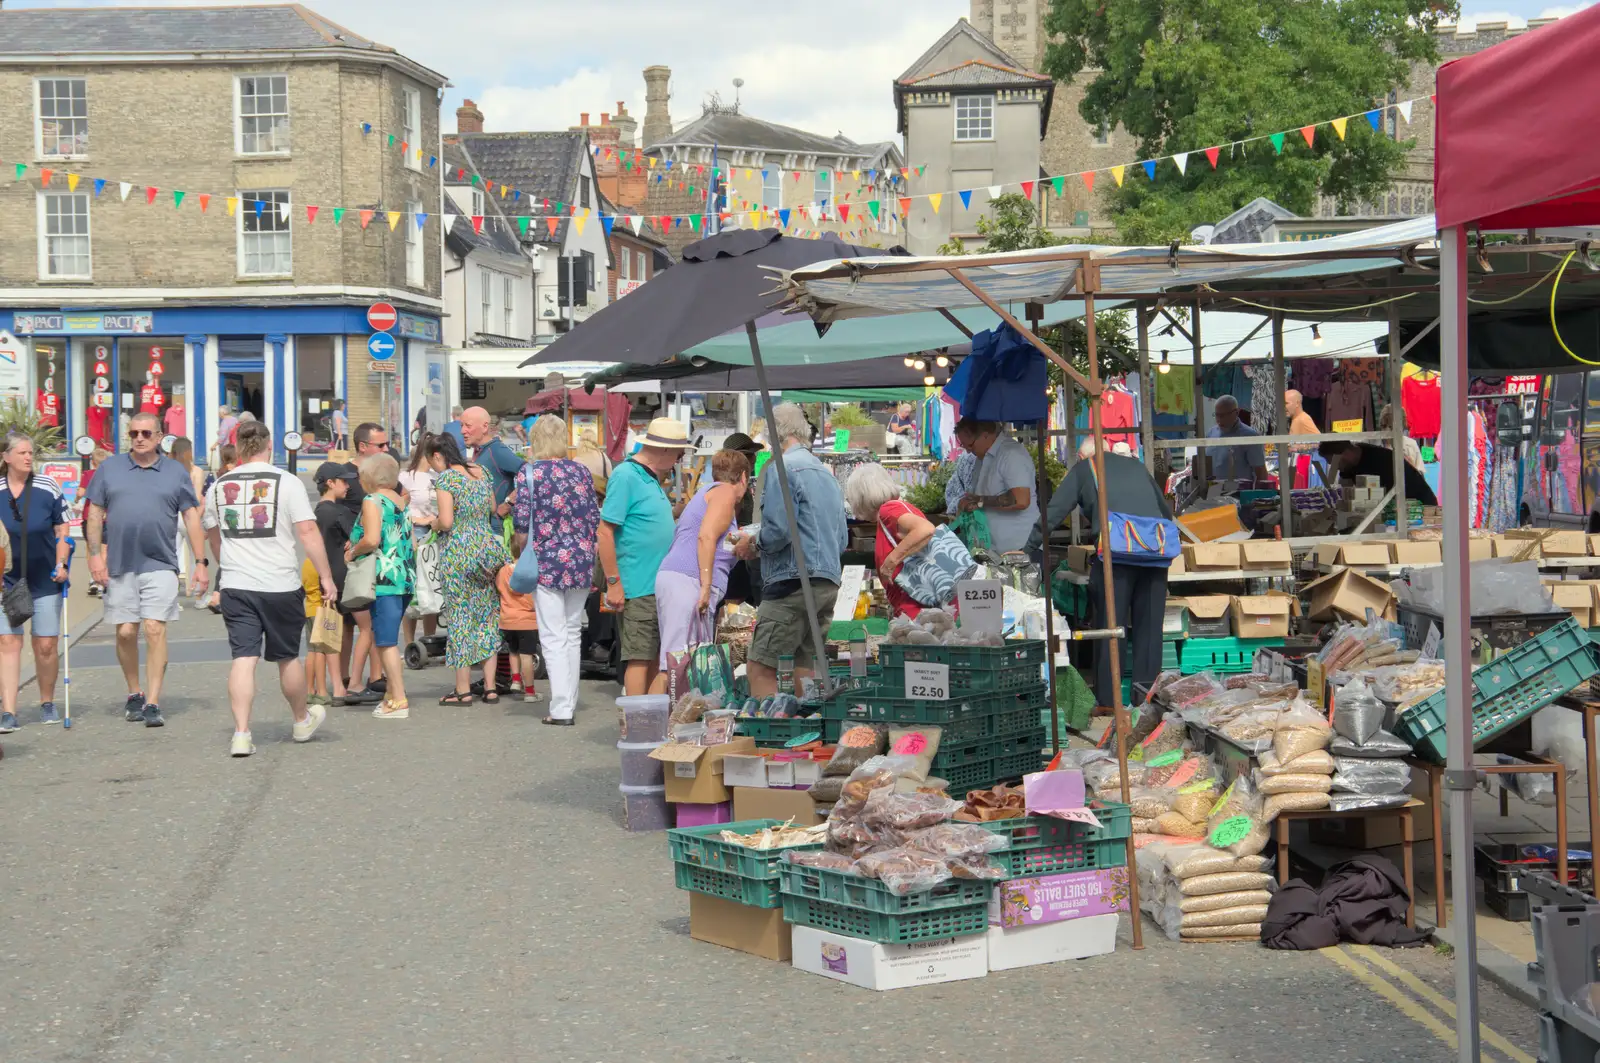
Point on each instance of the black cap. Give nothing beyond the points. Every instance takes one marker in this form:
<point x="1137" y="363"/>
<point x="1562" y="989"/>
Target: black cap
<point x="333" y="470"/>
<point x="744" y="444"/>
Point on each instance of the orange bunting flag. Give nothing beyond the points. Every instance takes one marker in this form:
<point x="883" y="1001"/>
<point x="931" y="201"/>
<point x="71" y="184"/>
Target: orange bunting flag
<point x="1338" y="126"/>
<point x="1310" y="133"/>
<point x="404" y="147"/>
<point x="366" y="217"/>
<point x="1116" y="174"/>
<point x="311" y="215"/>
<point x="905" y="206"/>
<point x="205" y="201"/>
<point x="1088" y="180"/>
<point x="72" y="182"/>
<point x="44" y="177"/>
<point x="1211" y="154"/>
<point x="550" y="224"/>
<point x="233" y="204"/>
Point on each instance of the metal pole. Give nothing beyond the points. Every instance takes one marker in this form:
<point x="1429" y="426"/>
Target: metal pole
<point x="819" y="646"/>
<point x="1286" y="456"/>
<point x="1199" y="402"/>
<point x="1397" y="414"/>
<point x="1147" y="386"/>
<point x="1047" y="582"/>
<point x="1119" y="711"/>
<point x="1458" y="776"/>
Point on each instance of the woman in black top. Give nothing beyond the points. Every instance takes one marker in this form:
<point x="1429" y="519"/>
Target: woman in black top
<point x="35" y="519"/>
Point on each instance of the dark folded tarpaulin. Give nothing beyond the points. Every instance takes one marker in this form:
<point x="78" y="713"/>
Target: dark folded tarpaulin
<point x="1519" y="345"/>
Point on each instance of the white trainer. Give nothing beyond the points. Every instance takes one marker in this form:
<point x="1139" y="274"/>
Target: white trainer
<point x="304" y="729"/>
<point x="242" y="745"/>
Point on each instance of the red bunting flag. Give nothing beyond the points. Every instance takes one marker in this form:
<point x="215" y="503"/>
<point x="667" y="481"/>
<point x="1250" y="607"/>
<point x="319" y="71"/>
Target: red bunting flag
<point x="1027" y="189"/>
<point x="366" y="217"/>
<point x="844" y="212"/>
<point x="1088" y="180"/>
<point x="1310" y="133"/>
<point x="404" y="147"/>
<point x="477" y="224"/>
<point x="150" y="194"/>
<point x="311" y="215"/>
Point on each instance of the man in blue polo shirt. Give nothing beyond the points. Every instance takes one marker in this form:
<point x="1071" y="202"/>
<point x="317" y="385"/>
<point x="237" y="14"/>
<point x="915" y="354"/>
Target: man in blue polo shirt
<point x="142" y="495"/>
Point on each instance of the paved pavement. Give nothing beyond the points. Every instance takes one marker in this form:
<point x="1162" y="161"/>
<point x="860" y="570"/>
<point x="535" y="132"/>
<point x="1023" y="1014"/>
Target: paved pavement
<point x="458" y="886"/>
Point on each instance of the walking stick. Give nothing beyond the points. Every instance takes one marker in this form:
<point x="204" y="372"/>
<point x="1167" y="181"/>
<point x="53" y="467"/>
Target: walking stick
<point x="66" y="638"/>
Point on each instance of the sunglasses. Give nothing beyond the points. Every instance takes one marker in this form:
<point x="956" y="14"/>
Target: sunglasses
<point x="141" y="433"/>
<point x="376" y="446"/>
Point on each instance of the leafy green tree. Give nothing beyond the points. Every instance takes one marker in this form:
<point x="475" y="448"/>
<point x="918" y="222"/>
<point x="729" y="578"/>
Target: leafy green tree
<point x="1182" y="75"/>
<point x="1012" y="224"/>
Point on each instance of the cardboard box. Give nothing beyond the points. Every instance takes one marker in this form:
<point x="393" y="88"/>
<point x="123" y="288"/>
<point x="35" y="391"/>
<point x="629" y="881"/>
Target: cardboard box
<point x="1214" y="523"/>
<point x="1197" y="556"/>
<point x="775" y="804"/>
<point x="694" y="773"/>
<point x="1506" y="546"/>
<point x="744" y="769"/>
<point x="1565" y="544"/>
<point x="1405" y="552"/>
<point x="1177" y="568"/>
<point x="1028" y="946"/>
<point x="1263" y="616"/>
<point x="1208" y="614"/>
<point x="758" y="931"/>
<point x="1054" y="898"/>
<point x="1479" y="549"/>
<point x="1174" y="619"/>
<point x="1346" y="594"/>
<point x="1265" y="553"/>
<point x="1353" y="553"/>
<point x="1079" y="558"/>
<point x="1370" y="483"/>
<point x="1594" y="545"/>
<point x="873" y="966"/>
<point x="1579" y="599"/>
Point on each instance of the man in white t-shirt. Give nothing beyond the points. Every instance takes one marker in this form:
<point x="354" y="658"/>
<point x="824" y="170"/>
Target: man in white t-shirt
<point x="1002" y="484"/>
<point x="252" y="517"/>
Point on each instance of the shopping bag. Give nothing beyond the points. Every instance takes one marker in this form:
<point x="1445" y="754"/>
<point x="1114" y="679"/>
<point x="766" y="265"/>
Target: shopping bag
<point x="525" y="573"/>
<point x="327" y="630"/>
<point x="973" y="529"/>
<point x="929" y="576"/>
<point x="710" y="670"/>
<point x="427" y="596"/>
<point x="360" y="583"/>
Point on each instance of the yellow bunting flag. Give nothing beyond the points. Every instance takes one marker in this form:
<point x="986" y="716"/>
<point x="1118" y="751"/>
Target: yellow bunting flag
<point x="935" y="199"/>
<point x="1338" y="126"/>
<point x="233" y="205"/>
<point x="755" y="219"/>
<point x="72" y="182"/>
<point x="1116" y="174"/>
<point x="394" y="219"/>
<point x="581" y="220"/>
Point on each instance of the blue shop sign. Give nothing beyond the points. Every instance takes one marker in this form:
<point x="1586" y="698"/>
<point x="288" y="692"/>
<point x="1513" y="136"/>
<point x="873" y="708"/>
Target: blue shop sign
<point x="84" y="324"/>
<point x="419" y="328"/>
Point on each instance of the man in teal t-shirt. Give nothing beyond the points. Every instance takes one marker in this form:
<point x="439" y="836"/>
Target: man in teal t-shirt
<point x="636" y="529"/>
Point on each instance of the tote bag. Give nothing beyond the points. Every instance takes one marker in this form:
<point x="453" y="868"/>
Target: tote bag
<point x="1146" y="542"/>
<point x="361" y="583"/>
<point x="525" y="574"/>
<point x="929" y="576"/>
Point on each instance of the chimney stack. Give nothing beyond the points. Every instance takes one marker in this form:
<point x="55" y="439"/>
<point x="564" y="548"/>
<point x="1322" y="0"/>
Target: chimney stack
<point x="468" y="118"/>
<point x="657" y="121"/>
<point x="627" y="125"/>
<point x="583" y="118"/>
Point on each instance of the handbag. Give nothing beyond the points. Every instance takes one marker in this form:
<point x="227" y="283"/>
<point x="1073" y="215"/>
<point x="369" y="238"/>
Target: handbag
<point x="18" y="599"/>
<point x="1146" y="542"/>
<point x="361" y="583"/>
<point x="427" y="598"/>
<point x="327" y="630"/>
<point x="929" y="576"/>
<point x="525" y="574"/>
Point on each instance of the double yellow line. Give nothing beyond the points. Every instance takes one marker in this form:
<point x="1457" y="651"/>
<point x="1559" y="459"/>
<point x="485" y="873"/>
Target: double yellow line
<point x="1368" y="966"/>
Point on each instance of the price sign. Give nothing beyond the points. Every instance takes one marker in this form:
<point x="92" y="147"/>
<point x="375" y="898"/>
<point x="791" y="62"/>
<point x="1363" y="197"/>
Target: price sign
<point x="1230" y="831"/>
<point x="851" y="580"/>
<point x="1316" y="684"/>
<point x="927" y="682"/>
<point x="1430" y="645"/>
<point x="980" y="606"/>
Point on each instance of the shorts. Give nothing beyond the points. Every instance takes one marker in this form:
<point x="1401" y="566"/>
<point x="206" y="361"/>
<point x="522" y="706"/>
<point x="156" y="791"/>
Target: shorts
<point x="275" y="617"/>
<point x="781" y="627"/>
<point x="679" y="622"/>
<point x="135" y="596"/>
<point x="387" y="612"/>
<point x="46" y="622"/>
<point x="521" y="641"/>
<point x="641" y="631"/>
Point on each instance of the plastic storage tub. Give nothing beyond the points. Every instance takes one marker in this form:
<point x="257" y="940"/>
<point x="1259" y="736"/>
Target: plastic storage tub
<point x="637" y="767"/>
<point x="645" y="808"/>
<point x="644" y="717"/>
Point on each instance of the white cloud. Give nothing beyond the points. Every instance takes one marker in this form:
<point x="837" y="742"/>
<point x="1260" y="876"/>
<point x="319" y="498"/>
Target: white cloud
<point x="1469" y="20"/>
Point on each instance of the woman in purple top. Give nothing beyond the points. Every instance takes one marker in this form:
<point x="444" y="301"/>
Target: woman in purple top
<point x="554" y="506"/>
<point x="694" y="575"/>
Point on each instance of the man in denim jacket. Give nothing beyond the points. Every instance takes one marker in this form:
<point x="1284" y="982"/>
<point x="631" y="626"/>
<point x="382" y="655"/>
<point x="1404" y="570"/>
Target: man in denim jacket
<point x="782" y="627"/>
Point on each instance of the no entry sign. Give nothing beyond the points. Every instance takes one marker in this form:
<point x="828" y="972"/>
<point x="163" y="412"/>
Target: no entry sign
<point x="382" y="317"/>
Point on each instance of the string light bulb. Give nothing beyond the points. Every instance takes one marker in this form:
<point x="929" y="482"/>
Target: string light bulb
<point x="1316" y="336"/>
<point x="909" y="362"/>
<point x="1165" y="366"/>
<point x="927" y="381"/>
<point x="942" y="361"/>
<point x="922" y="364"/>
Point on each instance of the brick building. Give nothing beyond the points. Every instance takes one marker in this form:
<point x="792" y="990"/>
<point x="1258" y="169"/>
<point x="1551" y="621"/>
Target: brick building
<point x="253" y="116"/>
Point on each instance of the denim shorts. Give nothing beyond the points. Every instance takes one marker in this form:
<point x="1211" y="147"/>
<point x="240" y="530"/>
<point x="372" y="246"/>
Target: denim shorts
<point x="46" y="622"/>
<point x="387" y="612"/>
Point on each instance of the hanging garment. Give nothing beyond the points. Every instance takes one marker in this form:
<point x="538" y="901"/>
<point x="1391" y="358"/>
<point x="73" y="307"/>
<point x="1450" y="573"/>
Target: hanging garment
<point x="1262" y="381"/>
<point x="1362" y="370"/>
<point x="1312" y="377"/>
<point x="1349" y="400"/>
<point x="1116" y="411"/>
<point x="1422" y="401"/>
<point x="1504" y="510"/>
<point x="1175" y="390"/>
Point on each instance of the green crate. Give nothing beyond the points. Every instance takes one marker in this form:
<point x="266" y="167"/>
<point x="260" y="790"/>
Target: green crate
<point x="875" y="707"/>
<point x="1009" y="723"/>
<point x="1016" y="765"/>
<point x="754" y="892"/>
<point x="858" y="891"/>
<point x="976" y="776"/>
<point x="1222" y="655"/>
<point x="935" y="925"/>
<point x="704" y="847"/>
<point x="1010" y="670"/>
<point x="956" y="756"/>
<point x="965" y="732"/>
<point x="1030" y="741"/>
<point x="1508" y="689"/>
<point x="1072" y="856"/>
<point x="773" y="731"/>
<point x="1032" y="832"/>
<point x="1016" y="652"/>
<point x="1171" y="655"/>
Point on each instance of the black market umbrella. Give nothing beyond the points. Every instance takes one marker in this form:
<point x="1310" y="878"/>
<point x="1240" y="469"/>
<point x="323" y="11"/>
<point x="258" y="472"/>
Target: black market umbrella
<point x="723" y="283"/>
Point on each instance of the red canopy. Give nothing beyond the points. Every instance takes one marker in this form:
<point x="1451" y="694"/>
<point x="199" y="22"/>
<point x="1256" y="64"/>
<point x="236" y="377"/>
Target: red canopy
<point x="1514" y="130"/>
<point x="615" y="405"/>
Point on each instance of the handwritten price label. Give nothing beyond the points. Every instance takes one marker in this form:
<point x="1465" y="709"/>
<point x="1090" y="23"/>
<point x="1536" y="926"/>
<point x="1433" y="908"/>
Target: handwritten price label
<point x="927" y="682"/>
<point x="980" y="605"/>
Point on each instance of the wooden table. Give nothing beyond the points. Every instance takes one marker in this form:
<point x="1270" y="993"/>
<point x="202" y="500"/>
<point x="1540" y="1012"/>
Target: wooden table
<point x="1407" y="836"/>
<point x="1590" y="708"/>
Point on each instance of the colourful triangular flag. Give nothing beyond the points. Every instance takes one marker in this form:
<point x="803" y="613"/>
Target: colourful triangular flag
<point x="366" y="127"/>
<point x="522" y="223"/>
<point x="694" y="222"/>
<point x="150" y="193"/>
<point x="205" y="201"/>
<point x="966" y="198"/>
<point x="580" y="220"/>
<point x="394" y="218"/>
<point x="283" y="212"/>
<point x="934" y="200"/>
<point x="44" y="177"/>
<point x="22" y="169"/>
<point x="1277" y="143"/>
<point x="1088" y="179"/>
<point x="1149" y="169"/>
<point x="431" y="160"/>
<point x="1182" y="159"/>
<point x="1338" y="126"/>
<point x="338" y="214"/>
<point x="477" y="224"/>
<point x="905" y="206"/>
<point x="391" y="140"/>
<point x="99" y="186"/>
<point x="875" y="206"/>
<point x="422" y="219"/>
<point x="637" y="222"/>
<point x="365" y="216"/>
<point x="233" y="204"/>
<point x="1027" y="189"/>
<point x="1059" y="183"/>
<point x="550" y="224"/>
<point x="1211" y="156"/>
<point x="259" y="206"/>
<point x="995" y="190"/>
<point x="1375" y="119"/>
<point x="783" y="217"/>
<point x="1116" y="174"/>
<point x="177" y="198"/>
<point x="607" y="221"/>
<point x="124" y="187"/>
<point x="1405" y="110"/>
<point x="72" y="182"/>
<point x="1310" y="133"/>
<point x="311" y="215"/>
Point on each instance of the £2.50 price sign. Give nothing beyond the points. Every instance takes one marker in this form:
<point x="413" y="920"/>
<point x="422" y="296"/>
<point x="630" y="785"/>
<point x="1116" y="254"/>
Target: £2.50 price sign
<point x="927" y="682"/>
<point x="980" y="606"/>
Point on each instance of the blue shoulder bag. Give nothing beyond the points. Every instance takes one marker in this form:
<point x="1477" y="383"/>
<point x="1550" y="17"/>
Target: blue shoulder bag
<point x="1149" y="542"/>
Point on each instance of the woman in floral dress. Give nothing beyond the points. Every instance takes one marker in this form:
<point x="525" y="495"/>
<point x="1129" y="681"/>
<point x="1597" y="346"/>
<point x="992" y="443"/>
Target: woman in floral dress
<point x="384" y="530"/>
<point x="556" y="515"/>
<point x="471" y="558"/>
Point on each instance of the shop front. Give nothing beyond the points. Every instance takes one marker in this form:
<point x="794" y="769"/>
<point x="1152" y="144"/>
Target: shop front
<point x="89" y="372"/>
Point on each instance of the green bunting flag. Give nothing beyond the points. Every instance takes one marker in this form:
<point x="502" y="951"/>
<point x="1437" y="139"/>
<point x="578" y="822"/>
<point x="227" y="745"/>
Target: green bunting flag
<point x="873" y="205"/>
<point x="694" y="222"/>
<point x="22" y="169"/>
<point x="177" y="198"/>
<point x="338" y="215"/>
<point x="474" y="178"/>
<point x="522" y="223"/>
<point x="391" y="140"/>
<point x="1277" y="143"/>
<point x="1059" y="184"/>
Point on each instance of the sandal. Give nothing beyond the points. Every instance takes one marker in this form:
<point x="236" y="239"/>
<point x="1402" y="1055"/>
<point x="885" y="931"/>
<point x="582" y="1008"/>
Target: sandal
<point x="458" y="698"/>
<point x="491" y="698"/>
<point x="391" y="710"/>
<point x="553" y="722"/>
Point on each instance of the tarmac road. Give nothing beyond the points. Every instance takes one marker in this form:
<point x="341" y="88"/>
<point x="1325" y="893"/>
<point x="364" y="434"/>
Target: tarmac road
<point x="457" y="886"/>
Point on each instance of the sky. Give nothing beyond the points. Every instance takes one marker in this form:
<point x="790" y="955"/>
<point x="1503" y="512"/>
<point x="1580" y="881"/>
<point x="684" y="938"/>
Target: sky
<point x="539" y="65"/>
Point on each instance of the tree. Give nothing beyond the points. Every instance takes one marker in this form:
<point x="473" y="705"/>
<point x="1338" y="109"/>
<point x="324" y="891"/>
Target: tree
<point x="1184" y="75"/>
<point x="1011" y="225"/>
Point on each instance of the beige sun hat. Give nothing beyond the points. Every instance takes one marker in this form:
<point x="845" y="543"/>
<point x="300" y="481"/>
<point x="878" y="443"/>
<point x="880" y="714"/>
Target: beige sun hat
<point x="667" y="434"/>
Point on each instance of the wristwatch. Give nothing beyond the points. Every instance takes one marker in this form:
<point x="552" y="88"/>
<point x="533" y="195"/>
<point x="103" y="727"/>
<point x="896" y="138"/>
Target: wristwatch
<point x="612" y="581"/>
